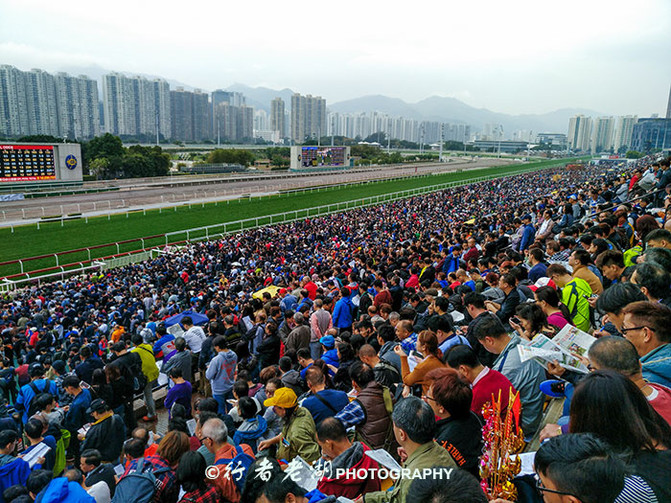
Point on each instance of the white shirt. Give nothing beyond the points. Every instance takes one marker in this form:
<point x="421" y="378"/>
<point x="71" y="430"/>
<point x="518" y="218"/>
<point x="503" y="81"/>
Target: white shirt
<point x="100" y="491"/>
<point x="482" y="374"/>
<point x="194" y="339"/>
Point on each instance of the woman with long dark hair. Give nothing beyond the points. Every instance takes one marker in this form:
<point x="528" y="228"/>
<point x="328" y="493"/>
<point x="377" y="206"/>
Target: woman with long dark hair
<point x="346" y="357"/>
<point x="612" y="407"/>
<point x="530" y="320"/>
<point x="557" y="313"/>
<point x="191" y="476"/>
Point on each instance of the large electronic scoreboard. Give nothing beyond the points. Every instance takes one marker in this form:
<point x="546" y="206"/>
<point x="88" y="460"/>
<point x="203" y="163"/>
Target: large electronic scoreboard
<point x="40" y="163"/>
<point x="27" y="163"/>
<point x="310" y="158"/>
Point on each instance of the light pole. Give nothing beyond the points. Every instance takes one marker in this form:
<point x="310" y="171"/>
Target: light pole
<point x="500" y="137"/>
<point x="440" y="155"/>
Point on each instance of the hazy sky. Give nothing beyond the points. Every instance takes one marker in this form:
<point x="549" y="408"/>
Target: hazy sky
<point x="520" y="56"/>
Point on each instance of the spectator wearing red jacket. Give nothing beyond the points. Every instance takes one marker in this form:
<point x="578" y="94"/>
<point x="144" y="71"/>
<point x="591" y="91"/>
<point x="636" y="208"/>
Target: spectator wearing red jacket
<point x="486" y="383"/>
<point x="382" y="295"/>
<point x="342" y="454"/>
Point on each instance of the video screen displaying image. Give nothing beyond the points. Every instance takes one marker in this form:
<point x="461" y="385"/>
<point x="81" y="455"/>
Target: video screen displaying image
<point x="313" y="157"/>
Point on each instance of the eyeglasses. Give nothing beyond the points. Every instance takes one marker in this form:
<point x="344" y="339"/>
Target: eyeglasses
<point x="202" y="439"/>
<point x="427" y="397"/>
<point x="542" y="489"/>
<point x="623" y="330"/>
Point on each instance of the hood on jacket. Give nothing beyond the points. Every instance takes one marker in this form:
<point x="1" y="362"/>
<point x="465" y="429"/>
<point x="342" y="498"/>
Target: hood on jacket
<point x="257" y="428"/>
<point x="60" y="490"/>
<point x="352" y="458"/>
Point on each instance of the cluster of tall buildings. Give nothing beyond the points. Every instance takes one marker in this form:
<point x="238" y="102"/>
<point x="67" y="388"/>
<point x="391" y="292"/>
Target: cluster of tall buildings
<point x="363" y="125"/>
<point x="603" y="134"/>
<point x="36" y="102"/>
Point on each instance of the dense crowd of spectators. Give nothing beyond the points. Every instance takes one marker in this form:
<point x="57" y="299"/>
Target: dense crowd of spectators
<point x="387" y="327"/>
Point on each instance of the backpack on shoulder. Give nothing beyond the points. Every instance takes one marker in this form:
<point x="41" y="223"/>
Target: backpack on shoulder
<point x="32" y="407"/>
<point x="139" y="485"/>
<point x="239" y="465"/>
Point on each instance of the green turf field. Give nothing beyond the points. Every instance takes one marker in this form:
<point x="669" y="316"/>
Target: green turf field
<point x="52" y="237"/>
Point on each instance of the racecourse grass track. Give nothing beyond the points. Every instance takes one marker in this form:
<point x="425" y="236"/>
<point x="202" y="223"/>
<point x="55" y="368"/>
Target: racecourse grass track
<point x="52" y="237"/>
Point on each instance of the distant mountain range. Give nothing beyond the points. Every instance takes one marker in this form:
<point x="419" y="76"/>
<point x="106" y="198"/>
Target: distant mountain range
<point x="434" y="108"/>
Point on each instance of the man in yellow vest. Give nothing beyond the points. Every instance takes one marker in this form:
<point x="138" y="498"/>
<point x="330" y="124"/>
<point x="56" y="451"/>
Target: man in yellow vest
<point x="150" y="371"/>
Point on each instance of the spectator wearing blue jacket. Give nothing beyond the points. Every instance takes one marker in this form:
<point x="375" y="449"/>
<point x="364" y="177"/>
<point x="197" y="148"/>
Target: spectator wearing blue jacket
<point x="89" y="363"/>
<point x="330" y="354"/>
<point x="343" y="310"/>
<point x="452" y="260"/>
<point x="289" y="301"/>
<point x="528" y="234"/>
<point x="322" y="402"/>
<point x="36" y="386"/>
<point x="13" y="470"/>
<point x="165" y="344"/>
<point x="646" y="325"/>
<point x="76" y="415"/>
<point x="66" y="489"/>
<point x="538" y="268"/>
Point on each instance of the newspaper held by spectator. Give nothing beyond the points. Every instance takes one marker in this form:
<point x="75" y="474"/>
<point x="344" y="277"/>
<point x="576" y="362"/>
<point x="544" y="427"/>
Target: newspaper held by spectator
<point x="573" y="340"/>
<point x="569" y="342"/>
<point x="37" y="452"/>
<point x="383" y="458"/>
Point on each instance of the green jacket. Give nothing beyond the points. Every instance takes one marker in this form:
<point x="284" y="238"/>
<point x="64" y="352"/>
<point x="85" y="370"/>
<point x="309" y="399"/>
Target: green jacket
<point x="574" y="296"/>
<point x="300" y="435"/>
<point x="426" y="456"/>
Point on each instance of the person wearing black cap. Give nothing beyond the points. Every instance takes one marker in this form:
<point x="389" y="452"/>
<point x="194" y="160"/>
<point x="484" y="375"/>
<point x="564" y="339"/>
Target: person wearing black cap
<point x="106" y="434"/>
<point x="36" y="386"/>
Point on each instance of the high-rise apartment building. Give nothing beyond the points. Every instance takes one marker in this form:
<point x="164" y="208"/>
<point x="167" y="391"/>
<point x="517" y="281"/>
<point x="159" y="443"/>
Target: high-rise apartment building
<point x="37" y="102"/>
<point x="191" y="119"/>
<point x="602" y="140"/>
<point x="78" y="111"/>
<point x="362" y="125"/>
<point x="42" y="111"/>
<point x="580" y="133"/>
<point x="261" y="120"/>
<point x="624" y="128"/>
<point x="308" y="117"/>
<point x="245" y="120"/>
<point x="277" y="120"/>
<point x="234" y="123"/>
<point x="13" y="102"/>
<point x="232" y="120"/>
<point x="135" y="106"/>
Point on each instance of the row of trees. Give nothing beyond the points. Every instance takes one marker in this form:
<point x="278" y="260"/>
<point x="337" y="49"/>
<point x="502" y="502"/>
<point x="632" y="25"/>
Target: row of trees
<point x="105" y="157"/>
